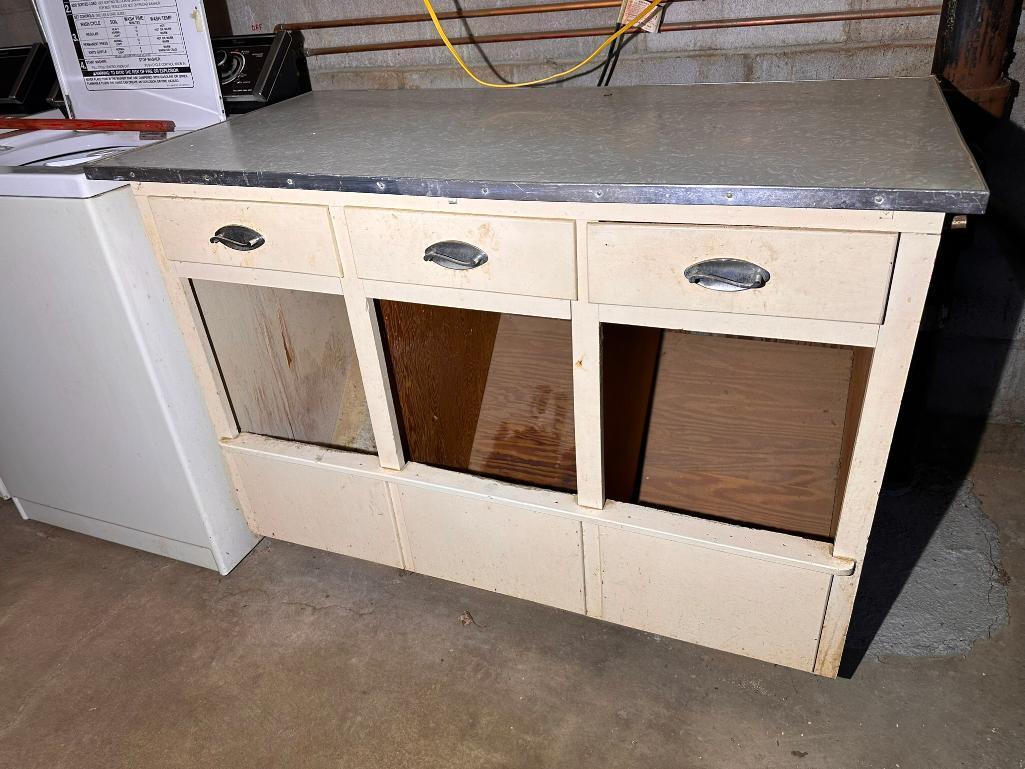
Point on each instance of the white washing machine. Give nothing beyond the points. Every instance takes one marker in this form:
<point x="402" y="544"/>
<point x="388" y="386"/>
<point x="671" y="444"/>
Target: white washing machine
<point x="102" y="427"/>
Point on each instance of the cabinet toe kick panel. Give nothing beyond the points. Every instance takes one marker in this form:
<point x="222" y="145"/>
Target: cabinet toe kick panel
<point x="643" y="379"/>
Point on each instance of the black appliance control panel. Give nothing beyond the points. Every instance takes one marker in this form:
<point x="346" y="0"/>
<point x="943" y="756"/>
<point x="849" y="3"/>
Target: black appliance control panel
<point x="26" y="77"/>
<point x="256" y="70"/>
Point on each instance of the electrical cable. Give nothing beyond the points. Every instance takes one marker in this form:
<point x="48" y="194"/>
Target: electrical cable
<point x="619" y="45"/>
<point x="608" y="59"/>
<point x="607" y="42"/>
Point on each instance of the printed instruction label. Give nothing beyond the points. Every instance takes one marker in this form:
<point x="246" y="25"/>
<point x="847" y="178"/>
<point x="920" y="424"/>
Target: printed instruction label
<point x="629" y="9"/>
<point x="123" y="44"/>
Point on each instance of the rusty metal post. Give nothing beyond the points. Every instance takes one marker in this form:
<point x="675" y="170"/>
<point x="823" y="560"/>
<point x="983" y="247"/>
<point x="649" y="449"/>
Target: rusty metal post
<point x="974" y="47"/>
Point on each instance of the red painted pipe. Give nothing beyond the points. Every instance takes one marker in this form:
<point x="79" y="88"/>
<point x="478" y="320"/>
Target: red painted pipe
<point x="61" y="124"/>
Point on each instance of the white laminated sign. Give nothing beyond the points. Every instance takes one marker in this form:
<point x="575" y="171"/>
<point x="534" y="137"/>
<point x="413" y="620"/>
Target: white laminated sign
<point x="129" y="44"/>
<point x="141" y="59"/>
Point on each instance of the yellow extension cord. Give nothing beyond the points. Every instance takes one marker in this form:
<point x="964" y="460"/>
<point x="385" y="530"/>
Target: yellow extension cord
<point x="459" y="59"/>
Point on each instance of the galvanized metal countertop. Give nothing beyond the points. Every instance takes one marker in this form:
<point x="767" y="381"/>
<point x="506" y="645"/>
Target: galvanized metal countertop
<point x="887" y="144"/>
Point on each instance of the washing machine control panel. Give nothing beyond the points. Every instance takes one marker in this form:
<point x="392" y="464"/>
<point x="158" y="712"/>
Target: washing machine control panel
<point x="256" y="70"/>
<point x="26" y="77"/>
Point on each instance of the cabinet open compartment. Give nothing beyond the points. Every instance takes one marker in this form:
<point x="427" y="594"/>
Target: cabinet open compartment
<point x="287" y="362"/>
<point x="747" y="430"/>
<point x="483" y="392"/>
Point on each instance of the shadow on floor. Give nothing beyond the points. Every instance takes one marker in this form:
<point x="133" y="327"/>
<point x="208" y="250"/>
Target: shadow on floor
<point x="967" y="341"/>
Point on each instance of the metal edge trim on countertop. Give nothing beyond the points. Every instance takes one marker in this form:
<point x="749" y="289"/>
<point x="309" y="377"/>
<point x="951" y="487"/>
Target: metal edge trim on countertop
<point x="870" y="199"/>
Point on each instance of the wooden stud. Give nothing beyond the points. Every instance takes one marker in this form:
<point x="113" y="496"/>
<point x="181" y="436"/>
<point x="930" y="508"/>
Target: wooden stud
<point x="591" y="547"/>
<point x="586" y="333"/>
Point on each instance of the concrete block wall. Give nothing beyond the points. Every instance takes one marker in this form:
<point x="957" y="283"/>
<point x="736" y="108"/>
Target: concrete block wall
<point x="807" y="51"/>
<point x="18" y="23"/>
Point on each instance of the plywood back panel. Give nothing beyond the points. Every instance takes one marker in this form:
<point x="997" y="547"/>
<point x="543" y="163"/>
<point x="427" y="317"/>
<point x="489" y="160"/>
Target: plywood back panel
<point x="748" y="430"/>
<point x="439" y="358"/>
<point x="525" y="429"/>
<point x="482" y="391"/>
<point x="288" y="363"/>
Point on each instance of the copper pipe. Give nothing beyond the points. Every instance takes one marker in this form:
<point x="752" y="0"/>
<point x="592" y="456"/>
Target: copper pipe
<point x="679" y="26"/>
<point x="469" y="13"/>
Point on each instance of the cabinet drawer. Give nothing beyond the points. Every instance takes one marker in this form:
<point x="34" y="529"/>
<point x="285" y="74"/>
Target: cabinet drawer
<point x="493" y="546"/>
<point x="765" y="610"/>
<point x="316" y="506"/>
<point x="296" y="238"/>
<point x="534" y="257"/>
<point x="821" y="275"/>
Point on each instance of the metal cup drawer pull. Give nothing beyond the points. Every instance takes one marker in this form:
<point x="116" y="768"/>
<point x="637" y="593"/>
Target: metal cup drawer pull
<point x="455" y="255"/>
<point x="238" y="237"/>
<point x="727" y="275"/>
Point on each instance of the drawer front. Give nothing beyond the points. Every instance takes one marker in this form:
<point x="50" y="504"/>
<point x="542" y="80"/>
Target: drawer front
<point x="489" y="545"/>
<point x="296" y="238"/>
<point x="533" y="257"/>
<point x="841" y="276"/>
<point x="318" y="507"/>
<point x="760" y="609"/>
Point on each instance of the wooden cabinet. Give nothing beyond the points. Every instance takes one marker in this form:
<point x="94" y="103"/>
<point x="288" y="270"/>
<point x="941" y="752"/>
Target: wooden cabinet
<point x="573" y="420"/>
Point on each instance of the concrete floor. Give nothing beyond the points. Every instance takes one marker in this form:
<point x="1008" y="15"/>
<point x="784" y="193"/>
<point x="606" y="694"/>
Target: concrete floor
<point x="115" y="658"/>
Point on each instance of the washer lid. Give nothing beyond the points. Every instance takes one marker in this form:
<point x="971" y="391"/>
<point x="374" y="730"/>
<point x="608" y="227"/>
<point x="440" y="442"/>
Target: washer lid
<point x="134" y="59"/>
